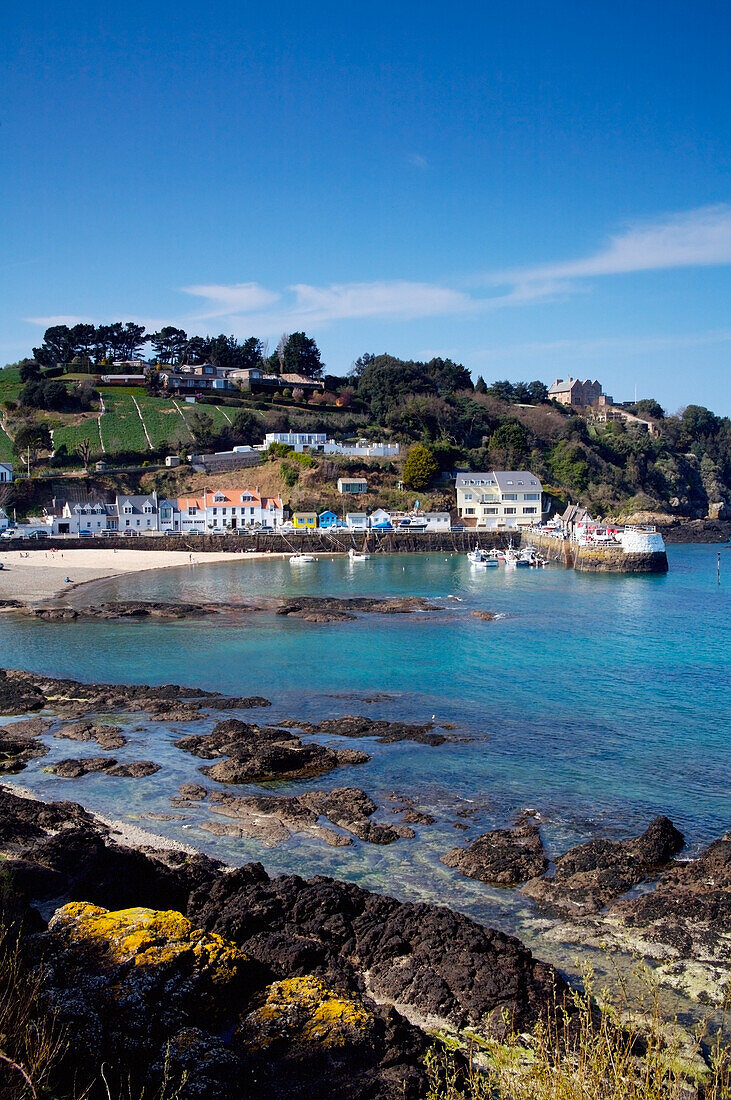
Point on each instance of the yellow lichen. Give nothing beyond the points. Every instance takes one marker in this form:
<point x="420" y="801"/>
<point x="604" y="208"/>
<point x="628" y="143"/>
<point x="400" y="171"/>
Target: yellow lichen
<point x="306" y="1010"/>
<point x="146" y="937"/>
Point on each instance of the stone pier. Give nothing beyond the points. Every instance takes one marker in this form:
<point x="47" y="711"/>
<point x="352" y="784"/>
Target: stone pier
<point x="598" y="558"/>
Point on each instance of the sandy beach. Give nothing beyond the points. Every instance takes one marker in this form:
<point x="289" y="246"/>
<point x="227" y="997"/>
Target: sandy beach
<point x="41" y="575"/>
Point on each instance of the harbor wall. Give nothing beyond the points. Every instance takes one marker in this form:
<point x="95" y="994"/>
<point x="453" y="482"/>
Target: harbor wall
<point x="314" y="542"/>
<point x="598" y="559"/>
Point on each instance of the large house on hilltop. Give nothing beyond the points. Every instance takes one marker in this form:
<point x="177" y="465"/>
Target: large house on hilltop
<point x="581" y="395"/>
<point x="499" y="499"/>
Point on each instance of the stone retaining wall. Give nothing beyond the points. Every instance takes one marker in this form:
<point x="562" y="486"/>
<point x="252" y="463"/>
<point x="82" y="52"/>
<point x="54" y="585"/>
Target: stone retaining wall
<point x="597" y="559"/>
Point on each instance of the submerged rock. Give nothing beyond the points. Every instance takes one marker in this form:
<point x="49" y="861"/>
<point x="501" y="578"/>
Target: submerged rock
<point x="76" y="769"/>
<point x="273" y="818"/>
<point x="590" y="875"/>
<point x="107" y="737"/>
<point x="352" y="725"/>
<point x="503" y="856"/>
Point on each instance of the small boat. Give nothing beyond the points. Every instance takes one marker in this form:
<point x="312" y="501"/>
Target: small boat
<point x="482" y="559"/>
<point x="413" y="523"/>
<point x="301" y="559"/>
<point x="354" y="555"/>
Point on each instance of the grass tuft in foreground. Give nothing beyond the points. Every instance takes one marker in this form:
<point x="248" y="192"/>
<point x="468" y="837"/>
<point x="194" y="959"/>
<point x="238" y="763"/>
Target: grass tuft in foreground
<point x="592" y="1047"/>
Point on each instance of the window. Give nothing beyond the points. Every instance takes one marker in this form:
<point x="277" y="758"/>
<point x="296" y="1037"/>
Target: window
<point x="469" y="511"/>
<point x="468" y="496"/>
<point x="127" y="509"/>
<point x="138" y="523"/>
<point x="510" y="511"/>
<point x="489" y="511"/>
<point x="147" y="508"/>
<point x="215" y="511"/>
<point x="531" y="496"/>
<point x="510" y="496"/>
<point x="508" y="483"/>
<point x="529" y="511"/>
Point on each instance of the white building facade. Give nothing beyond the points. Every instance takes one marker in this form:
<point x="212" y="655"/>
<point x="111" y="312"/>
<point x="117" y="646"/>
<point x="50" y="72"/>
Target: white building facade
<point x="499" y="499"/>
<point x="229" y="510"/>
<point x="6" y="473"/>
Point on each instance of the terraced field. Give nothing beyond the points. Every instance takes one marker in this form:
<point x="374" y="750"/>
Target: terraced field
<point x="165" y="426"/>
<point x="121" y="425"/>
<point x="72" y="434"/>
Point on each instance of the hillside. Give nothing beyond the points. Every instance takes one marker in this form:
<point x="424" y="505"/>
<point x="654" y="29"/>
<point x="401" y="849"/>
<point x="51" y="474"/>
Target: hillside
<point x="680" y="467"/>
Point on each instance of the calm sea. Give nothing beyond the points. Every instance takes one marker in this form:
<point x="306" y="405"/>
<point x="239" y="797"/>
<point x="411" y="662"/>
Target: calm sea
<point x="598" y="701"/>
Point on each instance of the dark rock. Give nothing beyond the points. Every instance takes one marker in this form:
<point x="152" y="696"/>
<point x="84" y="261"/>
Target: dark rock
<point x="416" y="817"/>
<point x="485" y="616"/>
<point x="589" y="876"/>
<point x="274" y="817"/>
<point x="257" y="754"/>
<point x="325" y="609"/>
<point x="76" y="769"/>
<point x="137" y="769"/>
<point x="191" y="792"/>
<point x="351" y="809"/>
<point x="18" y="695"/>
<point x="351" y="725"/>
<point x="107" y="737"/>
<point x="27" y="727"/>
<point x="421" y="958"/>
<point x="503" y="856"/>
<point x="690" y="908"/>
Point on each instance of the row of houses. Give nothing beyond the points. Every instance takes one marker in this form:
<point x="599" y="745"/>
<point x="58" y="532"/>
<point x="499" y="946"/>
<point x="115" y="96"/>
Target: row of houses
<point x="222" y="509"/>
<point x="217" y="511"/>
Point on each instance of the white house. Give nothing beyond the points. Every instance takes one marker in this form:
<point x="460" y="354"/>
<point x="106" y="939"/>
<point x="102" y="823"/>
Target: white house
<point x="6" y="473"/>
<point x="229" y="510"/>
<point x="298" y="440"/>
<point x="380" y="517"/>
<point x="356" y="521"/>
<point x="499" y="498"/>
<point x="437" y="521"/>
<point x="169" y="516"/>
<point x="138" y="513"/>
<point x="73" y="518"/>
<point x="4" y="521"/>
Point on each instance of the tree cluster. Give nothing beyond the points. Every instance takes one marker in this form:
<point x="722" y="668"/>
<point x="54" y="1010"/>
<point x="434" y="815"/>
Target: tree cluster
<point x="102" y="345"/>
<point x="514" y="393"/>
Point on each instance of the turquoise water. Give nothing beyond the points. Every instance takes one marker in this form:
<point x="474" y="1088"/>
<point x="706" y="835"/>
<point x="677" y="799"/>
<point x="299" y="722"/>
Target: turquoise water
<point x="600" y="701"/>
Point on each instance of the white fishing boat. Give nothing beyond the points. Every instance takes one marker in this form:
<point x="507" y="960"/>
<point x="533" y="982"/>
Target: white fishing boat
<point x="482" y="559"/>
<point x="301" y="559"/>
<point x="355" y="555"/>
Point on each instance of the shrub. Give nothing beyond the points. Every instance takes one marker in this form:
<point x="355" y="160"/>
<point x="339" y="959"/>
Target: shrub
<point x="420" y="468"/>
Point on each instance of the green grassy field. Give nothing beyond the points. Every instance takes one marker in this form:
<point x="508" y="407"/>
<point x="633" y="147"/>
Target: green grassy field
<point x="165" y="426"/>
<point x="6" y="447"/>
<point x="73" y="434"/>
<point x="121" y="426"/>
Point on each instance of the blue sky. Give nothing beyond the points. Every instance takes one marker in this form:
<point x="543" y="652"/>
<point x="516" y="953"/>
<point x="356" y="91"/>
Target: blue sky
<point x="536" y="189"/>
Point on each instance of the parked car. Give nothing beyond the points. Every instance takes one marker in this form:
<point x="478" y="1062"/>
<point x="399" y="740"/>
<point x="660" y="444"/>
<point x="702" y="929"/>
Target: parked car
<point x="10" y="533"/>
<point x="37" y="535"/>
<point x="86" y="534"/>
<point x="109" y="534"/>
<point x="130" y="531"/>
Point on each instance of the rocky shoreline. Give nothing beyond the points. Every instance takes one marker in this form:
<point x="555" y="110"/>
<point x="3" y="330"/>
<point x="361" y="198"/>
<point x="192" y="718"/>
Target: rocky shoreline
<point x="255" y="986"/>
<point x="679" y="918"/>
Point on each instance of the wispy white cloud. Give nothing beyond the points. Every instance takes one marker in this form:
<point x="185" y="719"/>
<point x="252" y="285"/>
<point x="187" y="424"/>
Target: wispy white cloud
<point x="56" y="319"/>
<point x="226" y="300"/>
<point x="699" y="237"/>
<point x="303" y="304"/>
<point x="418" y="161"/>
<point x="694" y="238"/>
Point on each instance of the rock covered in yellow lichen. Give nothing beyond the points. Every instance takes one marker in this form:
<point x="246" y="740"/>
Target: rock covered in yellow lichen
<point x="305" y="1010"/>
<point x="145" y="937"/>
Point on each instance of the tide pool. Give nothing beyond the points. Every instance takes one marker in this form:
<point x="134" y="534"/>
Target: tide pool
<point x="599" y="701"/>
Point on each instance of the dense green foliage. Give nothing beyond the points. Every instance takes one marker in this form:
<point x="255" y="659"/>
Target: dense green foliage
<point x="420" y="468"/>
